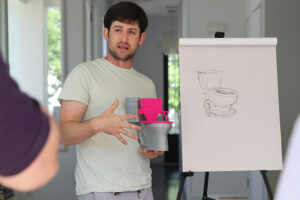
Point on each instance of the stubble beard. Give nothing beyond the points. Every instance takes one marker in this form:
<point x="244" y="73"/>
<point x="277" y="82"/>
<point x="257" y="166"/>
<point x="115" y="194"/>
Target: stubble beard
<point x="117" y="57"/>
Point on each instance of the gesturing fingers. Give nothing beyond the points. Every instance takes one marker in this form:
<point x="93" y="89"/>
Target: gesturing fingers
<point x="131" y="126"/>
<point x="113" y="124"/>
<point x="113" y="107"/>
<point x="119" y="137"/>
<point x="126" y="117"/>
<point x="128" y="134"/>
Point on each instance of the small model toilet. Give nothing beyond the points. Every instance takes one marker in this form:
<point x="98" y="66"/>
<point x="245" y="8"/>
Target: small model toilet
<point x="153" y="135"/>
<point x="218" y="100"/>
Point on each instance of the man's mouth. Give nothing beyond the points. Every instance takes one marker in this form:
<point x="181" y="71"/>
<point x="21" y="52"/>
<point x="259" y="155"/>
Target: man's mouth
<point x="123" y="47"/>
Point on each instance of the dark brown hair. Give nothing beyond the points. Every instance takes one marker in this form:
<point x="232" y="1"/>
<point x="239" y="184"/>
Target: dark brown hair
<point x="126" y="12"/>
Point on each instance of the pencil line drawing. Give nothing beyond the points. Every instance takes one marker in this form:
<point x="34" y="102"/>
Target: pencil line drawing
<point x="218" y="101"/>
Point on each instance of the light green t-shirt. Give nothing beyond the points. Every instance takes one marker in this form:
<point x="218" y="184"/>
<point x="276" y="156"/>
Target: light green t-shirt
<point x="104" y="164"/>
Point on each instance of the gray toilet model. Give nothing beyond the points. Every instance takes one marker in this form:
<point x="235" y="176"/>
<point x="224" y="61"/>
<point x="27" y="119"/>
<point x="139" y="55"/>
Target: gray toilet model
<point x="152" y="136"/>
<point x="132" y="107"/>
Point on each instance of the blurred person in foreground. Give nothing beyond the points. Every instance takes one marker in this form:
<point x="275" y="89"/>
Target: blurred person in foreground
<point x="29" y="138"/>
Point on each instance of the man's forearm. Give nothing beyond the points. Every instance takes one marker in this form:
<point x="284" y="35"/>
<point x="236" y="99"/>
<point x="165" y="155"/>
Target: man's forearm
<point x="76" y="132"/>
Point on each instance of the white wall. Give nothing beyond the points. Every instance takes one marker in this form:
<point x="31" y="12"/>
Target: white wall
<point x="52" y="3"/>
<point x="255" y="18"/>
<point x="98" y="14"/>
<point x="74" y="37"/>
<point x="251" y="5"/>
<point x="201" y="18"/>
<point x="26" y="46"/>
<point x="282" y="21"/>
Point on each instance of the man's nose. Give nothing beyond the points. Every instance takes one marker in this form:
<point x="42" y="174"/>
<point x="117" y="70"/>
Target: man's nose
<point x="125" y="37"/>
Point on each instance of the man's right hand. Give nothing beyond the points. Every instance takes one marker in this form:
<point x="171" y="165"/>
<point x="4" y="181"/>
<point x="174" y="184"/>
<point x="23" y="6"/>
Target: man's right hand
<point x="113" y="124"/>
<point x="75" y="131"/>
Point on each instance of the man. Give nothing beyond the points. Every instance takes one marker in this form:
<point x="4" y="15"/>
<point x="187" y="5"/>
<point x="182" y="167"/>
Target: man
<point x="108" y="165"/>
<point x="29" y="138"/>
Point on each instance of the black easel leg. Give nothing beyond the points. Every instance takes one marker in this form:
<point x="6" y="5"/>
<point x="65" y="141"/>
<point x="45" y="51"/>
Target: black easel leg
<point x="181" y="186"/>
<point x="204" y="196"/>
<point x="183" y="176"/>
<point x="264" y="175"/>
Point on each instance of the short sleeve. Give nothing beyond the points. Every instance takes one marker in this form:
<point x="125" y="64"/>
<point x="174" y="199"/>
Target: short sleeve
<point x="24" y="128"/>
<point x="76" y="86"/>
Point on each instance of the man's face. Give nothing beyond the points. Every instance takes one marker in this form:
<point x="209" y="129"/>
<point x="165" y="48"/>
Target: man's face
<point x="123" y="39"/>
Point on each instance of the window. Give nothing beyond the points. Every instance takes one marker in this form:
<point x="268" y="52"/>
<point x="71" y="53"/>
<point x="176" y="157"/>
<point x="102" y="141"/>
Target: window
<point x="173" y="92"/>
<point x="54" y="56"/>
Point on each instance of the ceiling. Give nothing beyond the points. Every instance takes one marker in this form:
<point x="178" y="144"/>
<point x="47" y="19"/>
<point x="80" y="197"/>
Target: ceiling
<point x="157" y="7"/>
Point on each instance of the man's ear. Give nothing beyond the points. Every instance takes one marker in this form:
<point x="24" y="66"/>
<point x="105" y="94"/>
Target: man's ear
<point x="143" y="36"/>
<point x="105" y="33"/>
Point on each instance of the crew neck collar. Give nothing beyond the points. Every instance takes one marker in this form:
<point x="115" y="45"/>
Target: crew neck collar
<point x="113" y="65"/>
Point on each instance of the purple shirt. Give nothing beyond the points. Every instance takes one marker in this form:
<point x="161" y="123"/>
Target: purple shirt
<point x="24" y="127"/>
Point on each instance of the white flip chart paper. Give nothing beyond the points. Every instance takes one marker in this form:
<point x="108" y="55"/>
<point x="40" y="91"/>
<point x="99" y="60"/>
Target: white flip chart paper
<point x="229" y="104"/>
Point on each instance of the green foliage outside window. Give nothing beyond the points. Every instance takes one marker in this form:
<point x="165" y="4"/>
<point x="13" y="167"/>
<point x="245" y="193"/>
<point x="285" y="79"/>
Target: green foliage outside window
<point x="54" y="50"/>
<point x="174" y="90"/>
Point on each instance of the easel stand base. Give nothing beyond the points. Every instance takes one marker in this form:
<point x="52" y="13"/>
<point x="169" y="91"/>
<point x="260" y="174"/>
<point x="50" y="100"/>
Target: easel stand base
<point x="264" y="175"/>
<point x="204" y="195"/>
<point x="183" y="176"/>
<point x="207" y="198"/>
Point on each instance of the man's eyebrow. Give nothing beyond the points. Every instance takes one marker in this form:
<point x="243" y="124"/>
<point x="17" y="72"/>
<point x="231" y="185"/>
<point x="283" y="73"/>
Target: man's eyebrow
<point x="134" y="29"/>
<point x="117" y="26"/>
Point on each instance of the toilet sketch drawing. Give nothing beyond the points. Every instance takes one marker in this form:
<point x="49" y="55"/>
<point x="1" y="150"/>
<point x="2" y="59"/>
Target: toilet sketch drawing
<point x="218" y="101"/>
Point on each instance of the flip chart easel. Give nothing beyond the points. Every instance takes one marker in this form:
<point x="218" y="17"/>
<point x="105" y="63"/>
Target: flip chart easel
<point x="229" y="100"/>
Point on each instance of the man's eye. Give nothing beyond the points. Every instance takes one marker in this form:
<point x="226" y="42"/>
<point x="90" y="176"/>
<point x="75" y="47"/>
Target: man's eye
<point x="117" y="30"/>
<point x="131" y="32"/>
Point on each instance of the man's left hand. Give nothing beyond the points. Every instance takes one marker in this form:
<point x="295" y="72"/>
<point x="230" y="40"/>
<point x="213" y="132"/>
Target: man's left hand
<point x="151" y="154"/>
